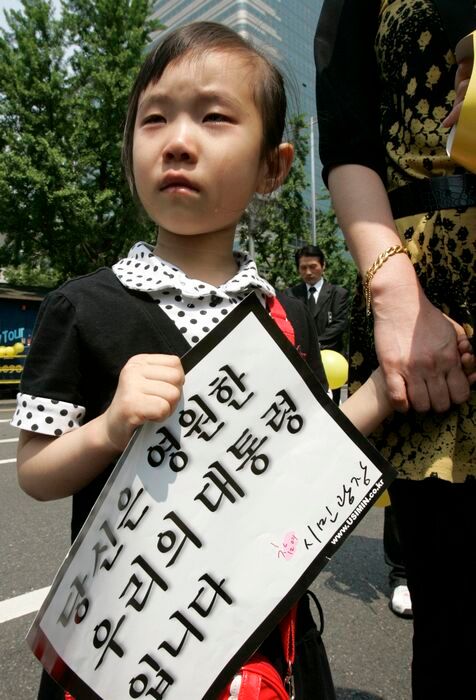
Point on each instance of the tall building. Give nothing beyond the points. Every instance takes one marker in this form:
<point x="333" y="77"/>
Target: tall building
<point x="284" y="27"/>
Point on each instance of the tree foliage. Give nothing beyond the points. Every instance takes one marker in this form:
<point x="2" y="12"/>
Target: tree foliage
<point x="274" y="224"/>
<point x="64" y="83"/>
<point x="25" y="275"/>
<point x="65" y="208"/>
<point x="33" y="115"/>
<point x="274" y="227"/>
<point x="340" y="268"/>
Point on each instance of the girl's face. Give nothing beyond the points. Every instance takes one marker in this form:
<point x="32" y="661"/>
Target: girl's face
<point x="197" y="144"/>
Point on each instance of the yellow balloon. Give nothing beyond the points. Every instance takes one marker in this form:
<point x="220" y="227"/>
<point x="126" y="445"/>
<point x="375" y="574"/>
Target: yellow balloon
<point x="336" y="368"/>
<point x="18" y="348"/>
<point x="9" y="351"/>
<point x="383" y="500"/>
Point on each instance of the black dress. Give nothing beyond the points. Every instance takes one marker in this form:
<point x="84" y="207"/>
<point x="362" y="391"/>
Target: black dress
<point x="86" y="331"/>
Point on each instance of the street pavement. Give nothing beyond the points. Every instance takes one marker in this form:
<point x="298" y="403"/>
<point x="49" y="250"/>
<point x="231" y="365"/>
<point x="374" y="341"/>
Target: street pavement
<point x="368" y="647"/>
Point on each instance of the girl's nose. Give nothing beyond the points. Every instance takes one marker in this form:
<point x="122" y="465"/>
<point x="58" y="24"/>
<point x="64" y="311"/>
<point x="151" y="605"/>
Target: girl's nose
<point x="180" y="148"/>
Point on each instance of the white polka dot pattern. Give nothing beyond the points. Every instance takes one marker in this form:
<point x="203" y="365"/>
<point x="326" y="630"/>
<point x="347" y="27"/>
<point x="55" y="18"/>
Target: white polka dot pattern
<point x="46" y="416"/>
<point x="194" y="306"/>
<point x="196" y="318"/>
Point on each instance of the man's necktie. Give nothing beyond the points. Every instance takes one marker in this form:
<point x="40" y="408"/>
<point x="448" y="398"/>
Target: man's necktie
<point x="311" y="302"/>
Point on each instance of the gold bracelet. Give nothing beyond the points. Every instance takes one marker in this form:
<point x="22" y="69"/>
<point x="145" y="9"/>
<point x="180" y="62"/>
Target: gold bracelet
<point x="382" y="258"/>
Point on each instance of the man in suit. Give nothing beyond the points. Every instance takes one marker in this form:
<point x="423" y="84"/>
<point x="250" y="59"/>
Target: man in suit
<point x="328" y="303"/>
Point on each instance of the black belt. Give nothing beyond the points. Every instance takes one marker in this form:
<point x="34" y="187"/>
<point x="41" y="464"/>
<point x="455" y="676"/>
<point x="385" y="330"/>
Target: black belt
<point x="432" y="194"/>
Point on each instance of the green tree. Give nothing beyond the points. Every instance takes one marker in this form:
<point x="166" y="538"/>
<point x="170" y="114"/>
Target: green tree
<point x="273" y="225"/>
<point x="108" y="39"/>
<point x="25" y="275"/>
<point x="34" y="168"/>
<point x="340" y="268"/>
<point x="63" y="97"/>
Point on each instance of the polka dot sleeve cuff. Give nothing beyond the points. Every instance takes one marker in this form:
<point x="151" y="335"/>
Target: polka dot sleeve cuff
<point x="46" y="416"/>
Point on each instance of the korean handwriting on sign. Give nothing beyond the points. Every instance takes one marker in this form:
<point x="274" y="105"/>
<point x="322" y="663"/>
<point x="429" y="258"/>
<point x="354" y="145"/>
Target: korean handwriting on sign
<point x="196" y="417"/>
<point x="168" y="447"/>
<point x="220" y="484"/>
<point x="344" y="496"/>
<point x="145" y="574"/>
<point x="153" y="679"/>
<point x="105" y="552"/>
<point x="199" y="419"/>
<point x="167" y="539"/>
<point x="142" y="582"/>
<point x="247" y="450"/>
<point x="229" y="387"/>
<point x="283" y="409"/>
<point x="110" y="635"/>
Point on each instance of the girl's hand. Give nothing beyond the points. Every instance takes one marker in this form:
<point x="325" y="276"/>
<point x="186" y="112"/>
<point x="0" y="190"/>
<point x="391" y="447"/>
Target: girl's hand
<point x="465" y="349"/>
<point x="468" y="360"/>
<point x="463" y="74"/>
<point x="149" y="389"/>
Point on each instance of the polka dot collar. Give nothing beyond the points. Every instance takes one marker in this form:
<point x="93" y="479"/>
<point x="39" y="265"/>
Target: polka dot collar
<point x="146" y="272"/>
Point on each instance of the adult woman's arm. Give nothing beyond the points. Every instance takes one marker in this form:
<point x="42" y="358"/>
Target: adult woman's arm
<point x="415" y="343"/>
<point x="416" y="346"/>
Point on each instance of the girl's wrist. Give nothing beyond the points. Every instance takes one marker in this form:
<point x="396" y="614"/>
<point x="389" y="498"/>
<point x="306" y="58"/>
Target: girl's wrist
<point x="103" y="440"/>
<point x="369" y="405"/>
<point x="379" y="389"/>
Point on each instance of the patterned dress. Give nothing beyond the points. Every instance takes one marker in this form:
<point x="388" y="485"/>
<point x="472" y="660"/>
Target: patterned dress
<point x="413" y="102"/>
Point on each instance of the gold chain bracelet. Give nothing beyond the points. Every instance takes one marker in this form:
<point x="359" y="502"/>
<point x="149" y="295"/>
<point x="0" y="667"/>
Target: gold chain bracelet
<point x="382" y="258"/>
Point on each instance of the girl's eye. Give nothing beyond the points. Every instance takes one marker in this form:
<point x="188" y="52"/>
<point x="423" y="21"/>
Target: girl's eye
<point x="154" y="119"/>
<point x="216" y="117"/>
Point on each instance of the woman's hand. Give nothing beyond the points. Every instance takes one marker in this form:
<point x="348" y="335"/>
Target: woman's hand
<point x="149" y="389"/>
<point x="416" y="345"/>
<point x="418" y="352"/>
<point x="463" y="74"/>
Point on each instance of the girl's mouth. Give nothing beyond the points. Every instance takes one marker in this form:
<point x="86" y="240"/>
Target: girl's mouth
<point x="177" y="183"/>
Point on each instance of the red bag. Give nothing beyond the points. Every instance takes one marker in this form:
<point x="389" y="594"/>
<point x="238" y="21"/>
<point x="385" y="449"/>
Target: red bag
<point x="259" y="679"/>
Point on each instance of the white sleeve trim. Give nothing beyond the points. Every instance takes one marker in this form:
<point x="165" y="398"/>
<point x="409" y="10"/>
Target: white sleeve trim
<point x="46" y="416"/>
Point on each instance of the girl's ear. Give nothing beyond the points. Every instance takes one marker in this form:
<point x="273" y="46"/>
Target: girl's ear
<point x="276" y="169"/>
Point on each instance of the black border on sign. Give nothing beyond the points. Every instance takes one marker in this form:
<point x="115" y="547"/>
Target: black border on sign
<point x="39" y="643"/>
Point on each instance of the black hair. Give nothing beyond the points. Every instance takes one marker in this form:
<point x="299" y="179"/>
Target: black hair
<point x="309" y="251"/>
<point x="196" y="39"/>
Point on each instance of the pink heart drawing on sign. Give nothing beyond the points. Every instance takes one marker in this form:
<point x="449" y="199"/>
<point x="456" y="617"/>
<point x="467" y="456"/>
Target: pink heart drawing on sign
<point x="288" y="546"/>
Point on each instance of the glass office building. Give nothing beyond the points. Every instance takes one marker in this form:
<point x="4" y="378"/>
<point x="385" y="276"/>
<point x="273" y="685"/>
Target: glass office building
<point x="285" y="27"/>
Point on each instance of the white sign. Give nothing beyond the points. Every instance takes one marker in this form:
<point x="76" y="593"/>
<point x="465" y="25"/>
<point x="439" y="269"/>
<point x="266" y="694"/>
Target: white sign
<point x="211" y="526"/>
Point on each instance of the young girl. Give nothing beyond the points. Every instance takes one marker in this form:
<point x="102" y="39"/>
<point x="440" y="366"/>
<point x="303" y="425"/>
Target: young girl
<point x="203" y="134"/>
